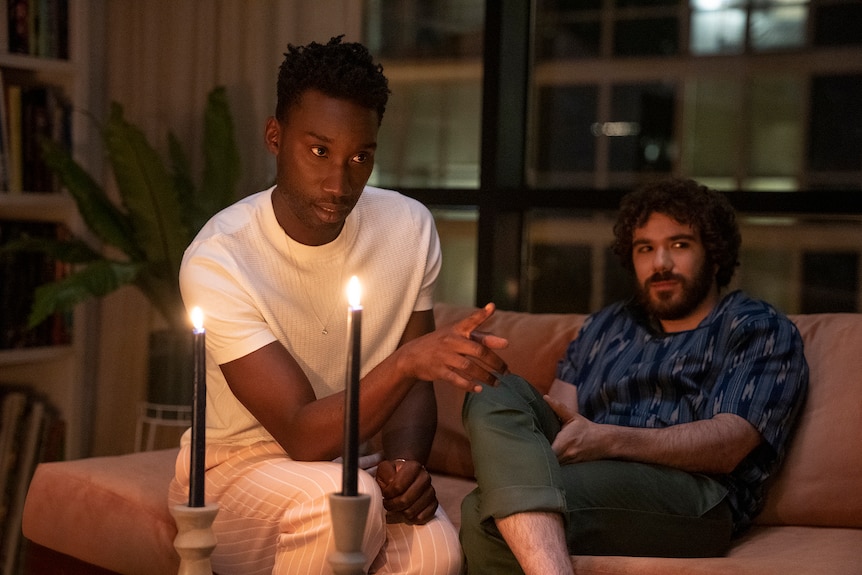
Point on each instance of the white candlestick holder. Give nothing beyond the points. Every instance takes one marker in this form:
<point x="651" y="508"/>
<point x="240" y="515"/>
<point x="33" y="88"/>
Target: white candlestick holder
<point x="195" y="540"/>
<point x="349" y="514"/>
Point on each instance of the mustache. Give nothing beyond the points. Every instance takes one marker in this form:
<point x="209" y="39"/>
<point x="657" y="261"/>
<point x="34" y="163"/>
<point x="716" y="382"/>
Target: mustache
<point x="663" y="277"/>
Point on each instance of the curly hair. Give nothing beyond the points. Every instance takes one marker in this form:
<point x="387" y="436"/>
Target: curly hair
<point x="339" y="70"/>
<point x="708" y="212"/>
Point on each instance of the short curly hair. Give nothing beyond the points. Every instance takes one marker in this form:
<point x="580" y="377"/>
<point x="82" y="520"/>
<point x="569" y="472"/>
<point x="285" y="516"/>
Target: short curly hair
<point x="706" y="211"/>
<point x="344" y="70"/>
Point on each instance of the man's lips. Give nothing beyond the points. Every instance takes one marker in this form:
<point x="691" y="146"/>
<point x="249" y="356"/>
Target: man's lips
<point x="663" y="283"/>
<point x="331" y="212"/>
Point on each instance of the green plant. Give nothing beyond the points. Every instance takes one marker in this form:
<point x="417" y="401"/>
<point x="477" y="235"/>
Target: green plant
<point x="160" y="211"/>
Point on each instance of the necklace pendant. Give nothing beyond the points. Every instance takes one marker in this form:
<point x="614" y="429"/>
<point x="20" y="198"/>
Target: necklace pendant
<point x="325" y="332"/>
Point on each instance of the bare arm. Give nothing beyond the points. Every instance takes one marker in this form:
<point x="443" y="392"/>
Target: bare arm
<point x="272" y="386"/>
<point x="715" y="445"/>
<point x="408" y="433"/>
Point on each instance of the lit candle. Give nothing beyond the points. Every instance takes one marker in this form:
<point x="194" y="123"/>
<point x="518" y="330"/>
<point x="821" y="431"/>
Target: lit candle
<point x="199" y="407"/>
<point x="351" y="393"/>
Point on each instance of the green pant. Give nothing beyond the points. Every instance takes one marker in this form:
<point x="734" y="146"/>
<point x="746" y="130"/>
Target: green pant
<point x="609" y="507"/>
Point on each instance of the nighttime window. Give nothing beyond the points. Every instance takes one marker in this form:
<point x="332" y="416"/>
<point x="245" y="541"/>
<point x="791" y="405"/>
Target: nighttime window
<point x="641" y="133"/>
<point x="830" y="282"/>
<point x="838" y="24"/>
<point x="646" y="37"/>
<point x="835" y="129"/>
<point x="719" y="26"/>
<point x="423" y="29"/>
<point x="568" y="39"/>
<point x="565" y="142"/>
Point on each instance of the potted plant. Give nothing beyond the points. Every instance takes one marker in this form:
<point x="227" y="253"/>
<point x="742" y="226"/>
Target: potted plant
<point x="160" y="211"/>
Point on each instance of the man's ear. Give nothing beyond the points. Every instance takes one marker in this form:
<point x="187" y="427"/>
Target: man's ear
<point x="272" y="134"/>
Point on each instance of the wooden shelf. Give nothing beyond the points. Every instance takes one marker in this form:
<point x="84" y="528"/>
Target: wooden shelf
<point x="36" y="207"/>
<point x="23" y="356"/>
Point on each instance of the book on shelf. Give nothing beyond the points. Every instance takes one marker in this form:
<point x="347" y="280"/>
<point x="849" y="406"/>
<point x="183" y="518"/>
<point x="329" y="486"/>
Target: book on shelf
<point x="31" y="431"/>
<point x="21" y="272"/>
<point x="36" y="27"/>
<point x="31" y="113"/>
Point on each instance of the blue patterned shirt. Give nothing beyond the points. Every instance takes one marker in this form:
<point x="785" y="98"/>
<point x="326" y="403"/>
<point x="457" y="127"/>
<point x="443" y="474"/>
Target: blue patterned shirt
<point x="744" y="358"/>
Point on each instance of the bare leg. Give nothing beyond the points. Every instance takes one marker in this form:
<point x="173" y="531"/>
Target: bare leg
<point x="538" y="542"/>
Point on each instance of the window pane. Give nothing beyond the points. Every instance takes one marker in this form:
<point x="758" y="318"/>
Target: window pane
<point x="712" y="127"/>
<point x="559" y="278"/>
<point x="550" y="6"/>
<point x="776" y="126"/>
<point x="835" y="141"/>
<point x="431" y="51"/>
<point x="647" y="37"/>
<point x="430" y="135"/>
<point x="458" y="229"/>
<point x="639" y="3"/>
<point x="775" y="28"/>
<point x="648" y="111"/>
<point x="838" y="24"/>
<point x="564" y="141"/>
<point x="830" y="281"/>
<point x="424" y="28"/>
<point x="717" y="32"/>
<point x="567" y="39"/>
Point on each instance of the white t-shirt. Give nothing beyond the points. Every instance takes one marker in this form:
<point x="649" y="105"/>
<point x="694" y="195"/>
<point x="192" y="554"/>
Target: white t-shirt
<point x="256" y="285"/>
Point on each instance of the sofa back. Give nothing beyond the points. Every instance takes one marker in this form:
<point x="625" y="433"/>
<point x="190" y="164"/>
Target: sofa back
<point x="821" y="480"/>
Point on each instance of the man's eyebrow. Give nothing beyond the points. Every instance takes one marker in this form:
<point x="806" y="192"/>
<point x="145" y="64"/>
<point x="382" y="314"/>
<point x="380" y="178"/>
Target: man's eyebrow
<point x="328" y="140"/>
<point x="317" y="136"/>
<point x="675" y="238"/>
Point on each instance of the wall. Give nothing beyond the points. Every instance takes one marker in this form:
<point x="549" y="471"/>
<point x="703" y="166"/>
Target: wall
<point x="161" y="59"/>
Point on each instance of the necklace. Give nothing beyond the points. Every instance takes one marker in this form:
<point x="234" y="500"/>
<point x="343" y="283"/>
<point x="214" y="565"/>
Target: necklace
<point x="324" y="324"/>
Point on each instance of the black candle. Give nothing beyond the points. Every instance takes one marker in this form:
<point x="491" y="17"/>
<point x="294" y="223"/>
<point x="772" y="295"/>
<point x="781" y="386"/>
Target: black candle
<point x="350" y="469"/>
<point x="199" y="407"/>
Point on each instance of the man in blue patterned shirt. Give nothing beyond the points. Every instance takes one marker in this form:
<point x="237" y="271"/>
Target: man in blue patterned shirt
<point x="669" y="411"/>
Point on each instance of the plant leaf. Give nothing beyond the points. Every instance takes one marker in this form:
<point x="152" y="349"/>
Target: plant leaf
<point x="95" y="280"/>
<point x="105" y="220"/>
<point x="183" y="183"/>
<point x="70" y="251"/>
<point x="147" y="191"/>
<point x="221" y="157"/>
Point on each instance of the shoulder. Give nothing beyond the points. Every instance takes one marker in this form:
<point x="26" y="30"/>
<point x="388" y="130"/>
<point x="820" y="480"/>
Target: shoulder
<point x="744" y="315"/>
<point x="392" y="211"/>
<point x="740" y="309"/>
<point x="613" y="316"/>
<point x="235" y="217"/>
<point x="379" y="199"/>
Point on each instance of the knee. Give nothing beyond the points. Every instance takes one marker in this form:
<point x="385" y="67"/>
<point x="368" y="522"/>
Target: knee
<point x="512" y="393"/>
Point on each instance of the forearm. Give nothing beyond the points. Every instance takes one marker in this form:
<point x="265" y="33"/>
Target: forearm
<point x="409" y="432"/>
<point x="317" y="431"/>
<point x="715" y="445"/>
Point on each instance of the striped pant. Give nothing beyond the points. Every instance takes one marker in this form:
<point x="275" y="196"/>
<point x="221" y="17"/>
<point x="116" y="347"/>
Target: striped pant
<point x="274" y="517"/>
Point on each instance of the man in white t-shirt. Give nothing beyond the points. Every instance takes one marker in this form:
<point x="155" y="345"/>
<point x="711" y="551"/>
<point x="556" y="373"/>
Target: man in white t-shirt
<point x="270" y="274"/>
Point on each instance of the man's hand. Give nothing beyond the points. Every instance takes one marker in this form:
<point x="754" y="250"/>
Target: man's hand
<point x="578" y="439"/>
<point x="458" y="354"/>
<point x="408" y="495"/>
<point x="715" y="445"/>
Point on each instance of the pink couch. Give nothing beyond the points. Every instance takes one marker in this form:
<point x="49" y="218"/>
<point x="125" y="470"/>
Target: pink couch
<point x="111" y="511"/>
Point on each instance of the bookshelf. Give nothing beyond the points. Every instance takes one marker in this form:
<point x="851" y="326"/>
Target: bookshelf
<point x="61" y="370"/>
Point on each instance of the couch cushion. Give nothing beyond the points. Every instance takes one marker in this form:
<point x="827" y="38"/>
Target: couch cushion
<point x="108" y="511"/>
<point x="764" y="551"/>
<point x="536" y="343"/>
<point x="821" y="481"/>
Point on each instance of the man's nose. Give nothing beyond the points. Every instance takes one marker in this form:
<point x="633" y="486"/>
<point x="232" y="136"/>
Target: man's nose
<point x="337" y="181"/>
<point x="662" y="260"/>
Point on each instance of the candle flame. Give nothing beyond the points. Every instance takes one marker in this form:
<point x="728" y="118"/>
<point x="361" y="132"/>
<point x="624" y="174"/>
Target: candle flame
<point x="198" y="318"/>
<point x="354" y="290"/>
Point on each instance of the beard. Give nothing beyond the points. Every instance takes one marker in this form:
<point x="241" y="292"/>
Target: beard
<point x="669" y="305"/>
